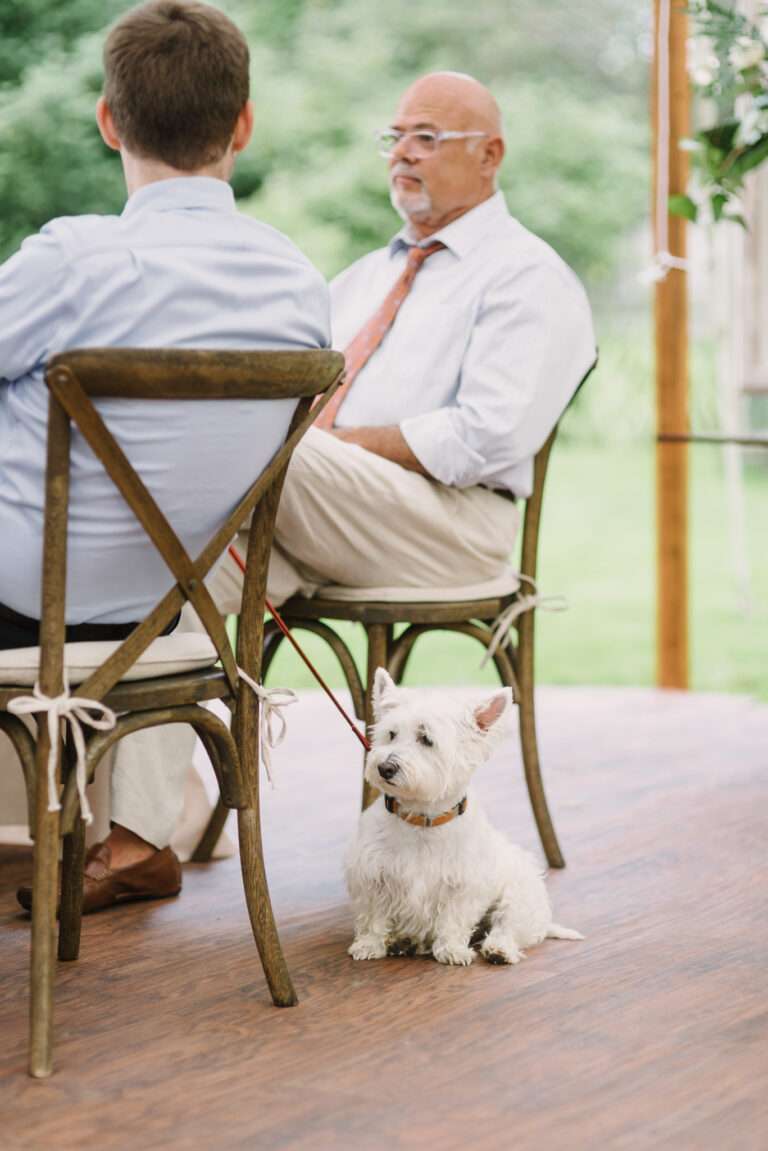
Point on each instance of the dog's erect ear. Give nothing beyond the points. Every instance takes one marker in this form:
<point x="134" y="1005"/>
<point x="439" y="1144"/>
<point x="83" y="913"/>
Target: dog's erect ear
<point x="490" y="712"/>
<point x="384" y="692"/>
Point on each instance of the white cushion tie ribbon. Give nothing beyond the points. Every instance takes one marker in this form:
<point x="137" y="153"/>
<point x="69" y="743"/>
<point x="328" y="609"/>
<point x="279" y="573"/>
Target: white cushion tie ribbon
<point x="77" y="712"/>
<point x="273" y="700"/>
<point x="502" y="624"/>
<point x="660" y="267"/>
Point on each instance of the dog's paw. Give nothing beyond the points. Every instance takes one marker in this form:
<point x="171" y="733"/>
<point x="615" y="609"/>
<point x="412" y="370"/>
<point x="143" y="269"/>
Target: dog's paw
<point x="498" y="953"/>
<point x="480" y="932"/>
<point x="401" y="947"/>
<point x="367" y="947"/>
<point x="457" y="954"/>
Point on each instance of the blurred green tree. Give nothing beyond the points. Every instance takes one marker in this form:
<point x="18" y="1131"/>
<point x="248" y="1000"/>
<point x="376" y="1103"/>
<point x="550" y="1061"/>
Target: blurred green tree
<point x="52" y="159"/>
<point x="570" y="77"/>
<point x="32" y="30"/>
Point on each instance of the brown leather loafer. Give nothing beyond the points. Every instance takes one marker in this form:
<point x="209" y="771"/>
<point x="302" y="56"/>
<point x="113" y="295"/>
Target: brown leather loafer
<point x="155" y="878"/>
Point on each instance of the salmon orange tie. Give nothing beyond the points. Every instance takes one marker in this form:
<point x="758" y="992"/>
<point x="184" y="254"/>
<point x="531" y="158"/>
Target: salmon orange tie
<point x="367" y="340"/>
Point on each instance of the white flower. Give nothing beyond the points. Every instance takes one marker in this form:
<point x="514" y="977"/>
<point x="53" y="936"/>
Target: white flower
<point x="754" y="125"/>
<point x="702" y="61"/>
<point x="732" y="208"/>
<point x="746" y="53"/>
<point x="705" y="216"/>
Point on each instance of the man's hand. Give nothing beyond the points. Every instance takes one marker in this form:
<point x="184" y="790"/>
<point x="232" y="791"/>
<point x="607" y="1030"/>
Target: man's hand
<point x="387" y="442"/>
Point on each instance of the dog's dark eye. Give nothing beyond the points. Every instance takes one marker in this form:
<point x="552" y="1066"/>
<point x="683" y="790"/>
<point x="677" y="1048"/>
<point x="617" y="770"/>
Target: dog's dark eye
<point x="424" y="738"/>
<point x="392" y="735"/>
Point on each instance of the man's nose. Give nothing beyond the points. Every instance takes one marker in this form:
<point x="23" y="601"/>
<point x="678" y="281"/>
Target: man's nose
<point x="402" y="150"/>
<point x="389" y="768"/>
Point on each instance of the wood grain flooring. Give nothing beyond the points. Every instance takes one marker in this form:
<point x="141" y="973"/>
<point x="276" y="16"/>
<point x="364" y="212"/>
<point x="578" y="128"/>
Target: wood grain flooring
<point x="653" y="1033"/>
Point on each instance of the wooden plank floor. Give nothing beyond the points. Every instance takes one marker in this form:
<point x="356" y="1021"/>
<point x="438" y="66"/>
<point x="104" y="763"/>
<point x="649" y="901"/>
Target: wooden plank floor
<point x="651" y="1034"/>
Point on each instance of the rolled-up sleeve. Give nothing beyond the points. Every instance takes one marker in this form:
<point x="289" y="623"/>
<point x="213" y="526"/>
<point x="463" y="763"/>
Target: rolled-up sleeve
<point x="531" y="344"/>
<point x="31" y="305"/>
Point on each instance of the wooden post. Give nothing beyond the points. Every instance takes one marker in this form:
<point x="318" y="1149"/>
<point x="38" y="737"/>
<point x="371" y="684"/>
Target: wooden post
<point x="671" y="323"/>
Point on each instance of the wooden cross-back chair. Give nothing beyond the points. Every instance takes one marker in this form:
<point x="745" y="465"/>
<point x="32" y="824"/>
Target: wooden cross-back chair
<point x="74" y="380"/>
<point x="474" y="617"/>
<point x="514" y="663"/>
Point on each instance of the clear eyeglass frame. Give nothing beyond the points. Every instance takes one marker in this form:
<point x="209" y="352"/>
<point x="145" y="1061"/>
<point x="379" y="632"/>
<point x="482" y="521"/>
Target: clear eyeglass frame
<point x="424" y="141"/>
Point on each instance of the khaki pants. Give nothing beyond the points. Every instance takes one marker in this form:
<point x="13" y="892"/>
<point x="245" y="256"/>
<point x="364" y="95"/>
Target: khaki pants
<point x="346" y="517"/>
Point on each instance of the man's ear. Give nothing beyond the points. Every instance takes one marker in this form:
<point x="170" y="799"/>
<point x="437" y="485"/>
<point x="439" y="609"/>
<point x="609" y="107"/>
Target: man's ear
<point x="384" y="695"/>
<point x="487" y="714"/>
<point x="107" y="125"/>
<point x="243" y="128"/>
<point x="493" y="154"/>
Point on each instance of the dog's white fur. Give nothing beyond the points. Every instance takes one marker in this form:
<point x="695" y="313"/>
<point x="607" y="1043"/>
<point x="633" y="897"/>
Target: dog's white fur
<point x="426" y="889"/>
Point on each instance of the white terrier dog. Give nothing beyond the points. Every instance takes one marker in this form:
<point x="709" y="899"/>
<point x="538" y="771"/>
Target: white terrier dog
<point x="428" y="872"/>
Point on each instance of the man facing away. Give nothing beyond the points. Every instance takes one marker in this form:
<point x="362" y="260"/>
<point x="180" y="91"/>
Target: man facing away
<point x="179" y="268"/>
<point x="465" y="339"/>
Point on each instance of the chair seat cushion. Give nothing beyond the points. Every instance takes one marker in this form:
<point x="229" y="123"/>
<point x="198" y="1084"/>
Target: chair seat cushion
<point x="507" y="583"/>
<point x="167" y="655"/>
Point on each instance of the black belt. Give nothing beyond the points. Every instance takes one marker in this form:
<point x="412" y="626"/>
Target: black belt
<point x="74" y="632"/>
<point x="503" y="492"/>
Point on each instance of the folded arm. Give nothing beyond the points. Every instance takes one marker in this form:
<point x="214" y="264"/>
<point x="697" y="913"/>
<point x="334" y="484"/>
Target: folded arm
<point x="387" y="442"/>
<point x="530" y="346"/>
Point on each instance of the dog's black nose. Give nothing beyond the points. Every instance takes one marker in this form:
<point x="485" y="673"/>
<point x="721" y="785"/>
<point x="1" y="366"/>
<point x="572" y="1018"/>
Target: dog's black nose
<point x="388" y="769"/>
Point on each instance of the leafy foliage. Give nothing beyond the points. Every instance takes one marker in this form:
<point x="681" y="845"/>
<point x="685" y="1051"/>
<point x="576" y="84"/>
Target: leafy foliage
<point x="570" y="77"/>
<point x="32" y="30"/>
<point x="573" y="173"/>
<point x="728" y="65"/>
<point x="52" y="160"/>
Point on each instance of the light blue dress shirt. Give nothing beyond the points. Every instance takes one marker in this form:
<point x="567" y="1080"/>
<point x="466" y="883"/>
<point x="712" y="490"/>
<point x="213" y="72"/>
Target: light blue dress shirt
<point x="485" y="352"/>
<point x="181" y="268"/>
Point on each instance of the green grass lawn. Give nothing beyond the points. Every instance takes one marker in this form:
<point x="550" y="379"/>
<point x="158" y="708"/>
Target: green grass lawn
<point x="598" y="549"/>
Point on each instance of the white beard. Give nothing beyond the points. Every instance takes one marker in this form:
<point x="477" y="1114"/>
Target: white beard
<point x="410" y="206"/>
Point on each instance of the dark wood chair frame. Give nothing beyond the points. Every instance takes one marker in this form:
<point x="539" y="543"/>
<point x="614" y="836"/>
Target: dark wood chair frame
<point x="74" y="380"/>
<point x="514" y="662"/>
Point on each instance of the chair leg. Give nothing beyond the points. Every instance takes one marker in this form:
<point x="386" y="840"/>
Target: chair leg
<point x="44" y="893"/>
<point x="207" y="843"/>
<point x="530" y="747"/>
<point x="71" y="910"/>
<point x="211" y="835"/>
<point x="535" y="785"/>
<point x="260" y="909"/>
<point x="401" y="650"/>
<point x="379" y="642"/>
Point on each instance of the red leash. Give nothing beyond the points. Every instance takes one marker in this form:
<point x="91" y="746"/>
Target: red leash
<point x="294" y="644"/>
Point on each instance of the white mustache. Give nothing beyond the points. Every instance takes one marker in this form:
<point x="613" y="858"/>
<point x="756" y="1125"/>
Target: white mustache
<point x="401" y="169"/>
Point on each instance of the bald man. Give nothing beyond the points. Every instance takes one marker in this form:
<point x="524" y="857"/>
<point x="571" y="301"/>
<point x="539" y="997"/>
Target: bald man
<point x="416" y="482"/>
<point x="416" y="486"/>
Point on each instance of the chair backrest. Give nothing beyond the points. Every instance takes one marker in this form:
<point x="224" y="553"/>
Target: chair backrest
<point x="74" y="379"/>
<point x="532" y="517"/>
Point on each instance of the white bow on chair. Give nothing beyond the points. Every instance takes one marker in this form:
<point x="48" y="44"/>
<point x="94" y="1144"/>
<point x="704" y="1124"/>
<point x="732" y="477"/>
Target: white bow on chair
<point x="273" y="701"/>
<point x="502" y="624"/>
<point x="75" y="711"/>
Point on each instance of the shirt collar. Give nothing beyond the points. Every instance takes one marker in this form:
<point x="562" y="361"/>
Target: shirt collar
<point x="462" y="234"/>
<point x="182" y="193"/>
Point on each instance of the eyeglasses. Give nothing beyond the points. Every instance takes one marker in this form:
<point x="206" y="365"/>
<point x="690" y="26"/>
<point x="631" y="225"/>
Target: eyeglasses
<point x="423" y="142"/>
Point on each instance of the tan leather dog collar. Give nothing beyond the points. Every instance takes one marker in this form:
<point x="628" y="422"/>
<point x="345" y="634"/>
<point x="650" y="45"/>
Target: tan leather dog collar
<point x="416" y="820"/>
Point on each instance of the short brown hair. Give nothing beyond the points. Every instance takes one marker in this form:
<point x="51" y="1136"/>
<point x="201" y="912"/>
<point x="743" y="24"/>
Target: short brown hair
<point x="175" y="80"/>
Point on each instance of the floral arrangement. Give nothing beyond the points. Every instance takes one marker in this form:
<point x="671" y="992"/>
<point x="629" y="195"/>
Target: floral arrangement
<point x="728" y="68"/>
